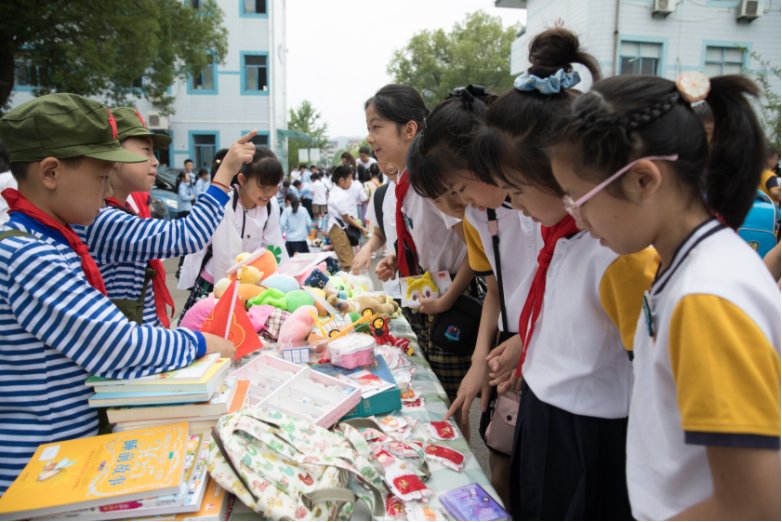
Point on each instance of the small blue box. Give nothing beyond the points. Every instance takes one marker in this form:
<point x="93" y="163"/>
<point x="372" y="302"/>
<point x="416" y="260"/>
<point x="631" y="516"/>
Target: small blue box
<point x="472" y="502"/>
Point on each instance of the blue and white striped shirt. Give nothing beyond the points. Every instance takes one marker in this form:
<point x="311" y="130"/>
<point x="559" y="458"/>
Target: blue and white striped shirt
<point x="121" y="244"/>
<point x="55" y="331"/>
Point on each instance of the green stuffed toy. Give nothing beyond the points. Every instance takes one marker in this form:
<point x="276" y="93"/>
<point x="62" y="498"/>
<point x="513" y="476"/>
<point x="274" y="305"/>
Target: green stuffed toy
<point x="270" y="296"/>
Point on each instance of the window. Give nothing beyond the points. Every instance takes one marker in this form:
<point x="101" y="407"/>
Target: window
<point x="256" y="74"/>
<point x="25" y="73"/>
<point x="723" y="60"/>
<point x="254" y="7"/>
<point x="203" y="81"/>
<point x="204" y="149"/>
<point x="195" y="4"/>
<point x="640" y="58"/>
<point x="261" y="138"/>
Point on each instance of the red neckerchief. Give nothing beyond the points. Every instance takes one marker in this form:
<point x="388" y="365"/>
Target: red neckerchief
<point x="534" y="303"/>
<point x="18" y="203"/>
<point x="407" y="255"/>
<point x="161" y="294"/>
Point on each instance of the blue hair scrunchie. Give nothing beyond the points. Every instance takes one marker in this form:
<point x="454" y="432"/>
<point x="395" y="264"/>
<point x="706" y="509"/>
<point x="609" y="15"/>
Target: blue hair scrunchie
<point x="550" y="85"/>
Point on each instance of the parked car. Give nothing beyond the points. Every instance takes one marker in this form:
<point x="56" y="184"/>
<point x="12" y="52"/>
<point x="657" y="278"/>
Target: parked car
<point x="164" y="195"/>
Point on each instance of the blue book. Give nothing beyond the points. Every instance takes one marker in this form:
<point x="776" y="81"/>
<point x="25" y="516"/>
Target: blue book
<point x="104" y="399"/>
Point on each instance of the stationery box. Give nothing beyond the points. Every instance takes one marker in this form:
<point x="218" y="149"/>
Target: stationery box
<point x="297" y="390"/>
<point x="380" y="403"/>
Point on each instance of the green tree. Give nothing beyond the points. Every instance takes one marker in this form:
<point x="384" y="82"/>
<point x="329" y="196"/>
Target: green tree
<point x="104" y="48"/>
<point x="305" y="119"/>
<point x="476" y="51"/>
<point x="767" y="77"/>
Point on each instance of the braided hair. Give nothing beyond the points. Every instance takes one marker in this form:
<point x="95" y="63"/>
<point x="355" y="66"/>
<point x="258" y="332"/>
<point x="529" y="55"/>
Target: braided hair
<point x="627" y="117"/>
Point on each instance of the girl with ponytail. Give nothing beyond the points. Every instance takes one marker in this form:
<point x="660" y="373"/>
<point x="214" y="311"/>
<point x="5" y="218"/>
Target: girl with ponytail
<point x="703" y="436"/>
<point x="578" y="316"/>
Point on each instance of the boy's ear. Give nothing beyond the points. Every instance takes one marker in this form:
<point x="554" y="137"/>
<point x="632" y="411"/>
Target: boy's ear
<point x="45" y="172"/>
<point x="643" y="181"/>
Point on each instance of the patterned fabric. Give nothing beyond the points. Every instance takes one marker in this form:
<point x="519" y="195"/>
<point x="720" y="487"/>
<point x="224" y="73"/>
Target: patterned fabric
<point x="273" y="324"/>
<point x="201" y="289"/>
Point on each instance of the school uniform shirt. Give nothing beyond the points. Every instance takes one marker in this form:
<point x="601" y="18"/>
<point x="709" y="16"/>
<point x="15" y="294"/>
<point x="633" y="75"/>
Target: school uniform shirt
<point x="439" y="246"/>
<point x="319" y="193"/>
<point x="341" y="202"/>
<point x="306" y="190"/>
<point x="577" y="358"/>
<point x="520" y="242"/>
<point x="358" y="193"/>
<point x="708" y="376"/>
<point x="121" y="245"/>
<point x="185" y="194"/>
<point x="55" y="331"/>
<point x="295" y="225"/>
<point x="201" y="185"/>
<point x="390" y="287"/>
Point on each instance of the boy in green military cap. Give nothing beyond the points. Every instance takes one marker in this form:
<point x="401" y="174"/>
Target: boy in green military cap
<point x="58" y="327"/>
<point x="127" y="248"/>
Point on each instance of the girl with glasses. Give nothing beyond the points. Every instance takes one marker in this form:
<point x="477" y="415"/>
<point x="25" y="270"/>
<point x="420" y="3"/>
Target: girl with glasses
<point x="703" y="435"/>
<point x="577" y="321"/>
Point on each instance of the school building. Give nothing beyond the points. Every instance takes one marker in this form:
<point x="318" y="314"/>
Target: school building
<point x="247" y="91"/>
<point x="662" y="37"/>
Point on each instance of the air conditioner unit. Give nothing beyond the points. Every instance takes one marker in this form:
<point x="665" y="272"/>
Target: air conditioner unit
<point x="156" y="121"/>
<point x="663" y="7"/>
<point x="748" y="10"/>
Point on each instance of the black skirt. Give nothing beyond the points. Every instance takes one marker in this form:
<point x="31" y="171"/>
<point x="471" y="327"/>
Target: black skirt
<point x="566" y="466"/>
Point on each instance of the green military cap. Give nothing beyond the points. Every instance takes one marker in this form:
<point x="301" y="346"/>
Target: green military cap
<point x="62" y="125"/>
<point x="131" y="124"/>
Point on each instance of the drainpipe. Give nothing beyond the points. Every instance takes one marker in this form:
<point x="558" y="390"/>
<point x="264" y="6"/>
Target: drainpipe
<point x="616" y="37"/>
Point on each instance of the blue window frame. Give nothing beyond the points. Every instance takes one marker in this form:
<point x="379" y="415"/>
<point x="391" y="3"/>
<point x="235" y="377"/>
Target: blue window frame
<point x="253" y="8"/>
<point x="203" y="146"/>
<point x="255" y="73"/>
<point x="205" y="81"/>
<point x="721" y="58"/>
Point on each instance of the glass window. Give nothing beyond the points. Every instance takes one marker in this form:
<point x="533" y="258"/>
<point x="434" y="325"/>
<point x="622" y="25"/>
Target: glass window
<point x="204" y="80"/>
<point x="255" y="73"/>
<point x="25" y="73"/>
<point x="255" y="6"/>
<point x="723" y="60"/>
<point x="205" y="147"/>
<point x="640" y="58"/>
<point x="261" y="139"/>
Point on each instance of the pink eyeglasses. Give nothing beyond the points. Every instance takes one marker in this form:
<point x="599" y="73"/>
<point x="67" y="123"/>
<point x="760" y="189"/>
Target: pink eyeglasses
<point x="574" y="207"/>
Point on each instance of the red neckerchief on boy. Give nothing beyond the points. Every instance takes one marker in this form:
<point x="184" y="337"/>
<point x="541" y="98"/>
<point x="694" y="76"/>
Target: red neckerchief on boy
<point x="18" y="203"/>
<point x="406" y="255"/>
<point x="161" y="294"/>
<point x="534" y="303"/>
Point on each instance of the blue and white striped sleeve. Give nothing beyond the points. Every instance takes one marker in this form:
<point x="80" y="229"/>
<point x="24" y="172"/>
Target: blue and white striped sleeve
<point x="116" y="236"/>
<point x="63" y="311"/>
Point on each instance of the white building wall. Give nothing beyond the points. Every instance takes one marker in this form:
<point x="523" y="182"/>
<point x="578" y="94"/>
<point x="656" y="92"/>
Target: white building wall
<point x="683" y="34"/>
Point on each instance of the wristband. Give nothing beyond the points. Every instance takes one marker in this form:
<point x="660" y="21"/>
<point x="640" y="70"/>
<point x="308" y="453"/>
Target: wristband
<point x="221" y="185"/>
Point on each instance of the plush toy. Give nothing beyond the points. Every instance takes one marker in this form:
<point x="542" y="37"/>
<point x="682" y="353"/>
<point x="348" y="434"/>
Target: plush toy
<point x="339" y="287"/>
<point x="249" y="275"/>
<point x="298" y="325"/>
<point x="246" y="291"/>
<point x="320" y="267"/>
<point x="197" y="314"/>
<point x="282" y="282"/>
<point x="377" y="303"/>
<point x="261" y="260"/>
<point x="221" y="286"/>
<point x="379" y="330"/>
<point x="297" y="299"/>
<point x="271" y="296"/>
<point x="322" y="294"/>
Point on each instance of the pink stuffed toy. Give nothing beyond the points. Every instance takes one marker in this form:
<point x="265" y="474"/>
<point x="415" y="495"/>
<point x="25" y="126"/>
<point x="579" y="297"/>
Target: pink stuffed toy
<point x="197" y="314"/>
<point x="298" y="325"/>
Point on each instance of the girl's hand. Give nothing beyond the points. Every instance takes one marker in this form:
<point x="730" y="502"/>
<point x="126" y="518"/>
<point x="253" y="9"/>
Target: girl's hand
<point x="503" y="360"/>
<point x="215" y="344"/>
<point x="386" y="268"/>
<point x="475" y="381"/>
<point x="434" y="305"/>
<point x="361" y="261"/>
<point x="240" y="152"/>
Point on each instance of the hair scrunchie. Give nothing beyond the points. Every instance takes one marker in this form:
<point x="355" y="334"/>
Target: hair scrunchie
<point x="549" y="85"/>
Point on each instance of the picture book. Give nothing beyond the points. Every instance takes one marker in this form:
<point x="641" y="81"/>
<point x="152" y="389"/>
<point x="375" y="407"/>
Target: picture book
<point x="220" y="404"/>
<point x="472" y="502"/>
<point x="208" y="380"/>
<point x="194" y="371"/>
<point x="187" y="499"/>
<point x="93" y="471"/>
<point x="103" y="400"/>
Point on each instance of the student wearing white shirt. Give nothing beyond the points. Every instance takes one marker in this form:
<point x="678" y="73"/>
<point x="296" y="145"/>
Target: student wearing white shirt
<point x="251" y="221"/>
<point x="342" y="214"/>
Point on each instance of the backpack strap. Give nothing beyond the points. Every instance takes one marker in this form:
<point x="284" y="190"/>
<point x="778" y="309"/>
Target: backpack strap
<point x="495" y="241"/>
<point x="14" y="233"/>
<point x="377" y="200"/>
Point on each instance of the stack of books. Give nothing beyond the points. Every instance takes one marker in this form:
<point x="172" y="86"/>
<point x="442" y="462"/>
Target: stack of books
<point x="198" y="394"/>
<point x="158" y="470"/>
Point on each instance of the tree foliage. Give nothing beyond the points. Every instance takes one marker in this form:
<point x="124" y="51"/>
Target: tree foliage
<point x="767" y="77"/>
<point x="104" y="48"/>
<point x="306" y="120"/>
<point x="476" y="51"/>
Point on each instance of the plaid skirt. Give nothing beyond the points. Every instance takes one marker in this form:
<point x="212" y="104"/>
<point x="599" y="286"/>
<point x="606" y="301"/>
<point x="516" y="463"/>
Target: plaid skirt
<point x="201" y="289"/>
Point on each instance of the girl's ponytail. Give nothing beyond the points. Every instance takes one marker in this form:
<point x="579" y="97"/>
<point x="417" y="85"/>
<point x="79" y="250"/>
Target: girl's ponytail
<point x="294" y="201"/>
<point x="737" y="151"/>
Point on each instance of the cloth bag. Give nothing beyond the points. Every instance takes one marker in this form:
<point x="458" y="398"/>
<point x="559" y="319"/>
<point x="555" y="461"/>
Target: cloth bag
<point x="286" y="468"/>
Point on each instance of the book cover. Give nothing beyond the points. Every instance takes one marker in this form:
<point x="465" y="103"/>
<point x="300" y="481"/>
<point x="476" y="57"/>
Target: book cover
<point x="101" y="400"/>
<point x="216" y="504"/>
<point x="220" y="404"/>
<point x="208" y="381"/>
<point x="92" y="471"/>
<point x="187" y="499"/>
<point x="472" y="502"/>
<point x="193" y="372"/>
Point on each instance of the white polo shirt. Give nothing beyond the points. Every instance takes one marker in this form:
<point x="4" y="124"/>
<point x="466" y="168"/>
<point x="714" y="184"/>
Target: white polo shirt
<point x="340" y="203"/>
<point x="577" y="359"/>
<point x="390" y="287"/>
<point x="520" y="242"/>
<point x="709" y="374"/>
